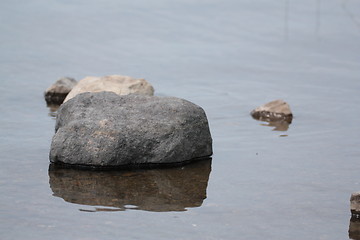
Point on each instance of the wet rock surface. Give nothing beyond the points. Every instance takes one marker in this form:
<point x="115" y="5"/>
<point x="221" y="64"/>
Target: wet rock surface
<point x="274" y="111"/>
<point x="355" y="205"/>
<point x="105" y="130"/>
<point x="58" y="91"/>
<point x="121" y="85"/>
<point x="172" y="189"/>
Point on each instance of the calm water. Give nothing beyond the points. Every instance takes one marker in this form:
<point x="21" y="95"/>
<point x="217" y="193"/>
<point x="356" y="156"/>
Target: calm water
<point x="226" y="56"/>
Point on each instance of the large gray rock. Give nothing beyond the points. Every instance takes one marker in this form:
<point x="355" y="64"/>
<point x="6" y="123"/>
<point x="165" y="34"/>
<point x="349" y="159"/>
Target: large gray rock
<point x="107" y="130"/>
<point x="58" y="91"/>
<point x="121" y="85"/>
<point x="273" y="111"/>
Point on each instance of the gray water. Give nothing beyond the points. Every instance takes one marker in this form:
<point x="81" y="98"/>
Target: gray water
<point x="226" y="56"/>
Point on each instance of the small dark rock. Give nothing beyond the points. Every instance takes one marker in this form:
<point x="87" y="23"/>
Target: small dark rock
<point x="57" y="92"/>
<point x="106" y="130"/>
<point x="275" y="111"/>
<point x="355" y="205"/>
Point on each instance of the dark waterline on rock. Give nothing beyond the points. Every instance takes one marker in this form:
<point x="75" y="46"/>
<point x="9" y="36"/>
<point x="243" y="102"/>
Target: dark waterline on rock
<point x="130" y="166"/>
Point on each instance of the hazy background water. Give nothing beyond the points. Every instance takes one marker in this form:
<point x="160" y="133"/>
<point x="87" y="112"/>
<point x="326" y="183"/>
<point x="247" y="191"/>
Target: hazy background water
<point x="226" y="56"/>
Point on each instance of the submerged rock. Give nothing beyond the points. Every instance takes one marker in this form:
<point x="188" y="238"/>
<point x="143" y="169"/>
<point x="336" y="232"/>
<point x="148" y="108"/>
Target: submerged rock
<point x="121" y="85"/>
<point x="355" y="205"/>
<point x="277" y="110"/>
<point x="57" y="92"/>
<point x="171" y="189"/>
<point x="105" y="130"/>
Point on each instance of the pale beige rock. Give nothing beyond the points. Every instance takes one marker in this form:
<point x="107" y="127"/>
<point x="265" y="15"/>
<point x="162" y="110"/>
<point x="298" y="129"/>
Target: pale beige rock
<point x="277" y="106"/>
<point x="277" y="110"/>
<point x="121" y="85"/>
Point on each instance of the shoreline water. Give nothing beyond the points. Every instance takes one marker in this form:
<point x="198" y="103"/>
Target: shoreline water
<point x="228" y="58"/>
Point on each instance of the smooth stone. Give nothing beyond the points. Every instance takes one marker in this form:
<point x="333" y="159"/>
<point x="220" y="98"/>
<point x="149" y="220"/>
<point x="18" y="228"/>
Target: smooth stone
<point x="58" y="91"/>
<point x="106" y="130"/>
<point x="159" y="190"/>
<point x="121" y="85"/>
<point x="273" y="111"/>
<point x="355" y="204"/>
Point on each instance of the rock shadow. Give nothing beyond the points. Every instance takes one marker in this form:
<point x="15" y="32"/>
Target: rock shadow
<point x="158" y="190"/>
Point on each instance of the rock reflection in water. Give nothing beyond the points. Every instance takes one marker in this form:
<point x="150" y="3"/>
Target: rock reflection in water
<point x="53" y="110"/>
<point x="278" y="126"/>
<point x="172" y="189"/>
<point x="354" y="228"/>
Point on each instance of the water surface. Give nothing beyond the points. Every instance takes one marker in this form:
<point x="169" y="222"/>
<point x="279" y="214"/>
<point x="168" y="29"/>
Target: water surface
<point x="226" y="56"/>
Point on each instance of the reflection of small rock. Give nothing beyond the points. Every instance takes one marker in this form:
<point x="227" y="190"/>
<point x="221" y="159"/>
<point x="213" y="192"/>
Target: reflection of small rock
<point x="354" y="229"/>
<point x="274" y="111"/>
<point x="278" y="126"/>
<point x="53" y="110"/>
<point x="121" y="85"/>
<point x="57" y="92"/>
<point x="172" y="189"/>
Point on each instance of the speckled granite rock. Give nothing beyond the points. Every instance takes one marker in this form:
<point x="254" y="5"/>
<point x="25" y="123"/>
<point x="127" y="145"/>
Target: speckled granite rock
<point x="107" y="130"/>
<point x="277" y="110"/>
